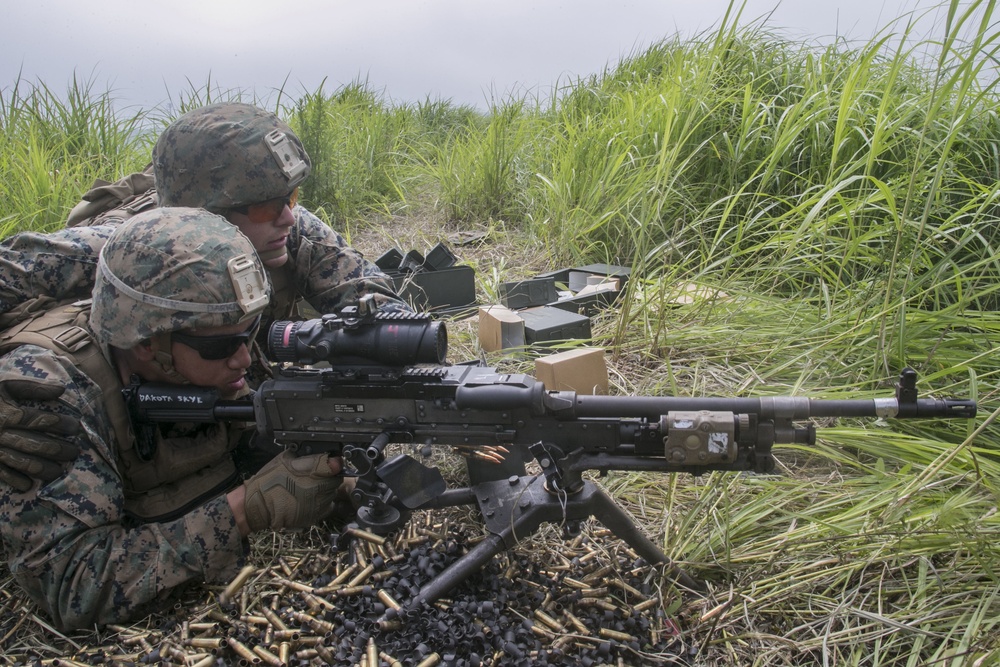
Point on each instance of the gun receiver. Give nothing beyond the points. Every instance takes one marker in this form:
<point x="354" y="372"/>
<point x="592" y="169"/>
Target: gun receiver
<point x="499" y="421"/>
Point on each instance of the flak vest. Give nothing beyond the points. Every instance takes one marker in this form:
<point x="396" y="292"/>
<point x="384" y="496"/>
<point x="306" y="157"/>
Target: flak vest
<point x="182" y="471"/>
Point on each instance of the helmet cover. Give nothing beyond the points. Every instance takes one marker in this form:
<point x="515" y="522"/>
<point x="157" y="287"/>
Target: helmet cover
<point x="227" y="155"/>
<point x="169" y="269"/>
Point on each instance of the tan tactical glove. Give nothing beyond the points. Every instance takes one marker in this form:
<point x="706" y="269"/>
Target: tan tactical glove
<point x="291" y="492"/>
<point x="30" y="442"/>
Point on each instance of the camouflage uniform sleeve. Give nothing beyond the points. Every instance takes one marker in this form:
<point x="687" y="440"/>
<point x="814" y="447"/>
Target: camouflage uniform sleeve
<point x="60" y="264"/>
<point x="67" y="544"/>
<point x="329" y="273"/>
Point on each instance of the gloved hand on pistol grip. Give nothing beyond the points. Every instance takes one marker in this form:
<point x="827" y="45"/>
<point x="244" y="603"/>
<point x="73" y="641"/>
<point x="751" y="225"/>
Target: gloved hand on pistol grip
<point x="34" y="444"/>
<point x="291" y="492"/>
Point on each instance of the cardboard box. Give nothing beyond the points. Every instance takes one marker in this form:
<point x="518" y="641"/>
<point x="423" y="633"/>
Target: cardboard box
<point x="500" y="329"/>
<point x="583" y="370"/>
<point x="549" y="324"/>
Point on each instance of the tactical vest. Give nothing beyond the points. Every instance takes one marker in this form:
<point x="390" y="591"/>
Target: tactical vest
<point x="188" y="464"/>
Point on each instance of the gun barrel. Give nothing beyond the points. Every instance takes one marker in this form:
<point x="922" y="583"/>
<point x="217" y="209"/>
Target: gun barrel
<point x="570" y="405"/>
<point x="776" y="407"/>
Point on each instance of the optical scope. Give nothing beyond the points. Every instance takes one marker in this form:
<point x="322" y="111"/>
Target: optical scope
<point x="353" y="336"/>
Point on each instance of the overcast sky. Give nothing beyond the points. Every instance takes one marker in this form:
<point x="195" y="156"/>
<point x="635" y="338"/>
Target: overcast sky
<point x="462" y="50"/>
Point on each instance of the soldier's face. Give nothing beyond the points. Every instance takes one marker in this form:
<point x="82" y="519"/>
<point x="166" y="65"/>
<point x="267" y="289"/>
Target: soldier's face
<point x="224" y="375"/>
<point x="269" y="237"/>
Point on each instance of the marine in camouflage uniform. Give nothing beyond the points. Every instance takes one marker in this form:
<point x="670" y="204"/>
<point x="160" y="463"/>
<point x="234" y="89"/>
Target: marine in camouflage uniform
<point x="232" y="159"/>
<point x="220" y="157"/>
<point x="75" y="544"/>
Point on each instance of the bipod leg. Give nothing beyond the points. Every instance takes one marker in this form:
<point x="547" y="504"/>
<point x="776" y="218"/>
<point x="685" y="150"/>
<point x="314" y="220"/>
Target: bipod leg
<point x="513" y="509"/>
<point x="607" y="511"/>
<point x="456" y="573"/>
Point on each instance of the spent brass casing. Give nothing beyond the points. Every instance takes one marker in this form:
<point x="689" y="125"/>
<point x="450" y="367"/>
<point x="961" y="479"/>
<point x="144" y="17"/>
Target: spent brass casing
<point x="631" y="590"/>
<point x="607" y="633"/>
<point x="344" y="576"/>
<point x="577" y="624"/>
<point x="350" y="591"/>
<point x="203" y="627"/>
<point x="267" y="656"/>
<point x="549" y="621"/>
<point x="243" y="651"/>
<point x="361" y="576"/>
<point x="295" y="585"/>
<point x="253" y="619"/>
<point x="596" y="602"/>
<point x="575" y="583"/>
<point x="367" y="536"/>
<point x="236" y="584"/>
<point x="325" y="654"/>
<point x="313" y="622"/>
<point x="646" y="604"/>
<point x="598" y="573"/>
<point x="388" y="600"/>
<point x="430" y="660"/>
<point x="274" y="619"/>
<point x="389" y="659"/>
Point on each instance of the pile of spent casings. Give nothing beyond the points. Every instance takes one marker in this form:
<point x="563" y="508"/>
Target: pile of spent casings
<point x="587" y="601"/>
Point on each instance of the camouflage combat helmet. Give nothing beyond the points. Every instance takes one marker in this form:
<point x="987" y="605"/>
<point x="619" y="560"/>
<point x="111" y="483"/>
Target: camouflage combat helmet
<point x="227" y="155"/>
<point x="169" y="269"/>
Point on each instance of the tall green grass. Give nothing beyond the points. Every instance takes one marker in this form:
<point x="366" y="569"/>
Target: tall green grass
<point x="55" y="145"/>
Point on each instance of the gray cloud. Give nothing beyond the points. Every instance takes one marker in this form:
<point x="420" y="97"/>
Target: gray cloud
<point x="410" y="49"/>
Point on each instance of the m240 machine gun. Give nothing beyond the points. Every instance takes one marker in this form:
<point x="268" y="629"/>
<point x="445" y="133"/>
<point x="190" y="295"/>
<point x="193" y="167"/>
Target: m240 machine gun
<point x="383" y="379"/>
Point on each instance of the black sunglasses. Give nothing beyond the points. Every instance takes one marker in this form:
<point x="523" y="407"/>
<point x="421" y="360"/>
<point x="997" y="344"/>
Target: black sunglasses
<point x="214" y="348"/>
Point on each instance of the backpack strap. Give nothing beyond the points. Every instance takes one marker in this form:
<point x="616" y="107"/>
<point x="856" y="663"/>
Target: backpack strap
<point x="120" y="200"/>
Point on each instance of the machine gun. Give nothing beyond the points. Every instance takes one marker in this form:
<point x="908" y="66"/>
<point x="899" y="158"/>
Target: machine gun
<point x="383" y="379"/>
